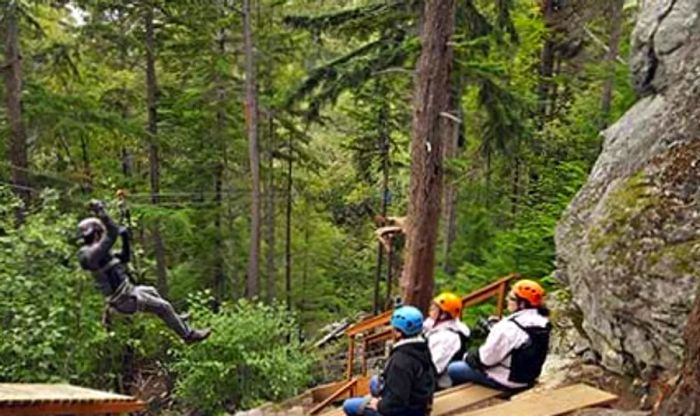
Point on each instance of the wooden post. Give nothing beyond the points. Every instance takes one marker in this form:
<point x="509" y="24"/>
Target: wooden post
<point x="351" y="357"/>
<point x="501" y="299"/>
<point x="365" y="345"/>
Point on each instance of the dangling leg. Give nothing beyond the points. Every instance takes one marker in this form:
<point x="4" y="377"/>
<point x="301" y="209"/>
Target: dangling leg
<point x="149" y="300"/>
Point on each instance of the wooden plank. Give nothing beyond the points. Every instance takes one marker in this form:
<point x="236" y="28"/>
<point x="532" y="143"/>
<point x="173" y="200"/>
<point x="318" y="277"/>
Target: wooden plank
<point x="462" y="397"/>
<point x="14" y="393"/>
<point x="369" y="323"/>
<point x="71" y="408"/>
<point x="345" y="388"/>
<point x="549" y="403"/>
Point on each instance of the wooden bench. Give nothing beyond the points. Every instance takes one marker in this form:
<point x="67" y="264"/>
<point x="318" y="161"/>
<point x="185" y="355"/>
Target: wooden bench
<point x="548" y="402"/>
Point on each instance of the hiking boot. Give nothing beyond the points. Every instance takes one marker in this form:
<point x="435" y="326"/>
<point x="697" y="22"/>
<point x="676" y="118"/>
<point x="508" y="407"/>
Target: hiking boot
<point x="198" y="335"/>
<point x="185" y="316"/>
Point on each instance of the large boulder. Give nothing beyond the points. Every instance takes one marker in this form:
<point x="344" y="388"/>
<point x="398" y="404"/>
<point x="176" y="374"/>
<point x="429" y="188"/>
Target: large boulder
<point x="628" y="246"/>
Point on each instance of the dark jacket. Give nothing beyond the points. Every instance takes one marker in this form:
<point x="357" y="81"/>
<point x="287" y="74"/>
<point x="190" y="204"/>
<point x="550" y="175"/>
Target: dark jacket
<point x="109" y="270"/>
<point x="409" y="379"/>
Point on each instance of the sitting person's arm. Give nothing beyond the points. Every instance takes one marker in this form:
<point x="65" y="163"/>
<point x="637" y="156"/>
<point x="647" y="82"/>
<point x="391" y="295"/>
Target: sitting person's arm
<point x="497" y="347"/>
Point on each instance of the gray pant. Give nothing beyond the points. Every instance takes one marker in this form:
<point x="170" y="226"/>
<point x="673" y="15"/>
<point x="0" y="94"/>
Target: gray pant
<point x="130" y="299"/>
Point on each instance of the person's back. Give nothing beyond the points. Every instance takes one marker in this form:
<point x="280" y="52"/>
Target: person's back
<point x="514" y="352"/>
<point x="447" y="335"/>
<point x="408" y="381"/>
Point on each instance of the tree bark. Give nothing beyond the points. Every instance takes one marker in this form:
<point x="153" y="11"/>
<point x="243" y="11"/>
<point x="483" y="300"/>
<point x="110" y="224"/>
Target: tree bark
<point x="546" y="62"/>
<point x="616" y="24"/>
<point x="288" y="230"/>
<point x="385" y="149"/>
<point x="251" y="112"/>
<point x="270" y="230"/>
<point x="219" y="169"/>
<point x="431" y="98"/>
<point x="451" y="138"/>
<point x="17" y="143"/>
<point x="153" y="147"/>
<point x="685" y="398"/>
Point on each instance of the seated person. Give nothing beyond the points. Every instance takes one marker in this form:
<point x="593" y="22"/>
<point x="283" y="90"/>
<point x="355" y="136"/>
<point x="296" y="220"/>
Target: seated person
<point x="447" y="335"/>
<point x="407" y="383"/>
<point x="516" y="348"/>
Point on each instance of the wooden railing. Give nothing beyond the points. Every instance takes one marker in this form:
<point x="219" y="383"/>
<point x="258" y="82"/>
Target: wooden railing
<point x="379" y="323"/>
<point x="497" y="288"/>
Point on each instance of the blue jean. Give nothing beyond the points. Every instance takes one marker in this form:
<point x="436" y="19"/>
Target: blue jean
<point x="355" y="406"/>
<point x="461" y="373"/>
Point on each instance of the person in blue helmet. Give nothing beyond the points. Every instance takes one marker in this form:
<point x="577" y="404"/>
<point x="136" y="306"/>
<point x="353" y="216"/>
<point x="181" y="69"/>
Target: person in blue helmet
<point x="407" y="384"/>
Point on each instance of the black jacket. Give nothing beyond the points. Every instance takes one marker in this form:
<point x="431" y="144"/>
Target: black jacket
<point x="409" y="379"/>
<point x="109" y="270"/>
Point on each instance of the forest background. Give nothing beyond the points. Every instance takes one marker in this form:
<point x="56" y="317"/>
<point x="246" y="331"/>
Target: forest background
<point x="257" y="142"/>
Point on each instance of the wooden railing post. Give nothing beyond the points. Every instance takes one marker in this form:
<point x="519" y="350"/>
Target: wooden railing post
<point x="351" y="357"/>
<point x="501" y="299"/>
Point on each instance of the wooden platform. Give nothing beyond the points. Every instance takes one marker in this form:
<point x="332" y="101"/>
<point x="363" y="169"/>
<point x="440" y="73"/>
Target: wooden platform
<point x="61" y="399"/>
<point x="461" y="397"/>
<point x="549" y="403"/>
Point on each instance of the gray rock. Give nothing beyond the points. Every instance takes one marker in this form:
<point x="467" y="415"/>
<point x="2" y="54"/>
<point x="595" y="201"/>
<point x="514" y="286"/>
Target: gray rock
<point x="628" y="246"/>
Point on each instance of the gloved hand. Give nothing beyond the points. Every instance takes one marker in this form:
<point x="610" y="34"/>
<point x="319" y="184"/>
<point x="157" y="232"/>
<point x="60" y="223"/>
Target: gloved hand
<point x="123" y="231"/>
<point x="96" y="206"/>
<point x="376" y="385"/>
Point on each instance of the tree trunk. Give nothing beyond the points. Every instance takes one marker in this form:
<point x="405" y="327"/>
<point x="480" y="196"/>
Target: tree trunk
<point x="288" y="231"/>
<point x="219" y="273"/>
<point x="251" y="112"/>
<point x="17" y="143"/>
<point x="616" y="23"/>
<point x="685" y="399"/>
<point x="270" y="237"/>
<point x="451" y="138"/>
<point x="385" y="148"/>
<point x="153" y="157"/>
<point x="546" y="62"/>
<point x="431" y="98"/>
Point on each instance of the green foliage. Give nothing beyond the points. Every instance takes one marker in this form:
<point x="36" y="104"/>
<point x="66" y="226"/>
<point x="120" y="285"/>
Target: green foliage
<point x="252" y="357"/>
<point x="49" y="311"/>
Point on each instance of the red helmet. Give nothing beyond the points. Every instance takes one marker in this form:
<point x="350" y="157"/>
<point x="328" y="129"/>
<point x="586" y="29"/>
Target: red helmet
<point x="529" y="290"/>
<point x="449" y="303"/>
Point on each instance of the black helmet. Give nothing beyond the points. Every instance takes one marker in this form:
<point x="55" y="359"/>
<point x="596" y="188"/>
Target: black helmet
<point x="89" y="226"/>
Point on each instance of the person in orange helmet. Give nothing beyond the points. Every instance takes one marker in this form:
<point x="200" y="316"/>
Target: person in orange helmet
<point x="447" y="335"/>
<point x="516" y="348"/>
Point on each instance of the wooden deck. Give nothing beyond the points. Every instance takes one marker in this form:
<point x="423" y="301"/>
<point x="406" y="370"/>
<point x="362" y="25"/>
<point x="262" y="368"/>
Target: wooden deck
<point x="61" y="399"/>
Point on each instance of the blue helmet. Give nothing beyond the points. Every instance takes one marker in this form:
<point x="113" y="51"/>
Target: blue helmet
<point x="408" y="320"/>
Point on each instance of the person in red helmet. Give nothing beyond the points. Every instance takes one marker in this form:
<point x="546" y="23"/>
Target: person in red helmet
<point x="447" y="335"/>
<point x="516" y="348"/>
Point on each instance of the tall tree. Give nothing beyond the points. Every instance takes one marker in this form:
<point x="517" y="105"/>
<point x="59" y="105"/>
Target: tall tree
<point x="12" y="71"/>
<point x="153" y="144"/>
<point x="451" y="140"/>
<point x="616" y="26"/>
<point x="251" y="111"/>
<point x="430" y="100"/>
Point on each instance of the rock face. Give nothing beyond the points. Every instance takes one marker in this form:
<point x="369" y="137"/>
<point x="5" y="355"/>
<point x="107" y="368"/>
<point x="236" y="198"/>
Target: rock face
<point x="628" y="246"/>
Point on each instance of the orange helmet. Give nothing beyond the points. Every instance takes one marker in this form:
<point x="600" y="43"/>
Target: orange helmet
<point x="529" y="290"/>
<point x="449" y="303"/>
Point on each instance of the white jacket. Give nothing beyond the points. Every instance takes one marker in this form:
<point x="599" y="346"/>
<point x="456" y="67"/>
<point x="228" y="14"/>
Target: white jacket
<point x="444" y="341"/>
<point x="505" y="336"/>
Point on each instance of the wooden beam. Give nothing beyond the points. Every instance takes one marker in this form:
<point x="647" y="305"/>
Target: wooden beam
<point x="345" y="388"/>
<point x="59" y="408"/>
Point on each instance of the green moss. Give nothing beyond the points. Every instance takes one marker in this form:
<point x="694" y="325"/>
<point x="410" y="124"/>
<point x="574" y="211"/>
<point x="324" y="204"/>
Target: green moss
<point x="685" y="256"/>
<point x="627" y="202"/>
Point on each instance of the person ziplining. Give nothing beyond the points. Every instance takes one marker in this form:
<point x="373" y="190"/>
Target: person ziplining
<point x="99" y="234"/>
